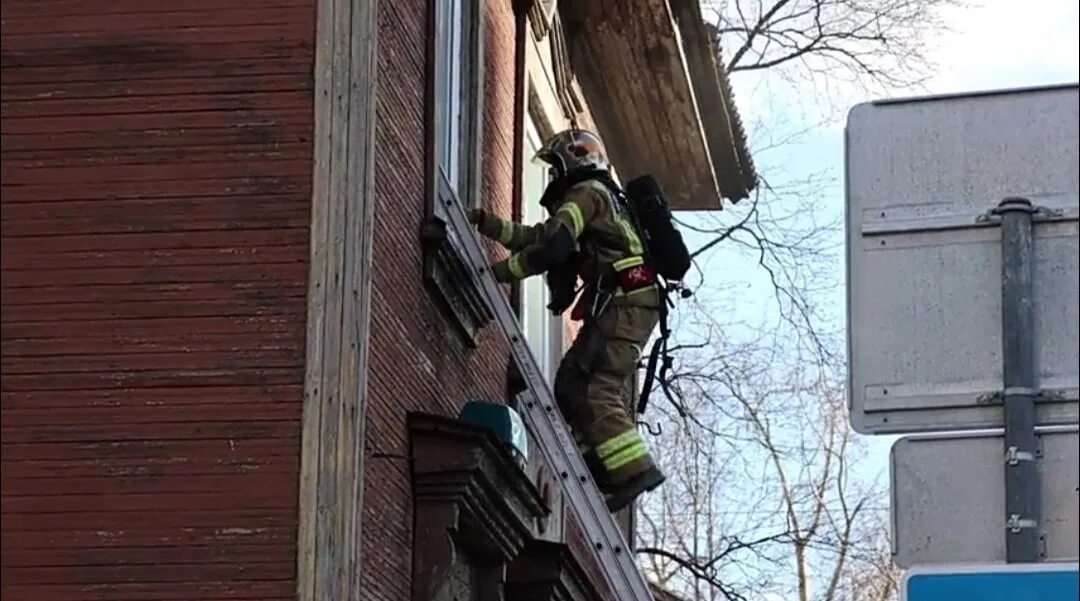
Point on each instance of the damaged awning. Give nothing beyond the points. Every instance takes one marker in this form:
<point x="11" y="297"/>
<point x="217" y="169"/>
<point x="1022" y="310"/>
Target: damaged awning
<point x="651" y="74"/>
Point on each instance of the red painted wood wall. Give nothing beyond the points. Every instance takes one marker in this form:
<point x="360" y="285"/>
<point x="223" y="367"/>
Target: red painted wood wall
<point x="155" y="193"/>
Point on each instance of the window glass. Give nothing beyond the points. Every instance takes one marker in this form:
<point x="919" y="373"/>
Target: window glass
<point x="453" y="95"/>
<point x="542" y="329"/>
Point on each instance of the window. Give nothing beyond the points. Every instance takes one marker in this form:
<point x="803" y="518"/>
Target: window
<point x="455" y="76"/>
<point x="457" y="93"/>
<point x="542" y="330"/>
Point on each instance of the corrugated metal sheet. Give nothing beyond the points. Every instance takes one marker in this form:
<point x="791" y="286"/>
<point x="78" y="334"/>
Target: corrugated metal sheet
<point x="155" y="192"/>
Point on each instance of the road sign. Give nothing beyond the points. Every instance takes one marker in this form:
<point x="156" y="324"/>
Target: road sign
<point x="948" y="496"/>
<point x="924" y="274"/>
<point x="992" y="582"/>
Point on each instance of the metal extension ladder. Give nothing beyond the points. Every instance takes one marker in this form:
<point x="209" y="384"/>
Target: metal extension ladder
<point x="538" y="409"/>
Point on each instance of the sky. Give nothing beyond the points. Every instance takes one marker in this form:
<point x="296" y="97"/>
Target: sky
<point x="991" y="44"/>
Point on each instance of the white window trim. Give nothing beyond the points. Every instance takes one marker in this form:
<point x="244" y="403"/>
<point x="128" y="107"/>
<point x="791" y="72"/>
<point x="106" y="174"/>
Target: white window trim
<point x="536" y="318"/>
<point x="458" y="94"/>
<point x="454" y="70"/>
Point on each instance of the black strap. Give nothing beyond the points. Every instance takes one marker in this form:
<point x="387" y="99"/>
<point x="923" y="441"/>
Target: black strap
<point x="557" y="189"/>
<point x="659" y="348"/>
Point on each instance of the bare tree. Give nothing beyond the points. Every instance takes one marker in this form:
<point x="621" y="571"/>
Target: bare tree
<point x="871" y="43"/>
<point x="875" y="577"/>
<point x="817" y="47"/>
<point x="765" y="498"/>
<point x="767" y="504"/>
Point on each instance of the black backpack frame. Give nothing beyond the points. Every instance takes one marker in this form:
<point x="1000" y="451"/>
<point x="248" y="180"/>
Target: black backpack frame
<point x="665" y="252"/>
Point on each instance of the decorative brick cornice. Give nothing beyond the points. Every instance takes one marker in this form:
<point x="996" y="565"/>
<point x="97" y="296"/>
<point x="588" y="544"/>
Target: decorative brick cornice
<point x="546" y="571"/>
<point x="468" y="494"/>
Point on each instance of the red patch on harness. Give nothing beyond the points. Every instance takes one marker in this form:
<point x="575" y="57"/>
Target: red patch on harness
<point x="630" y="279"/>
<point x="636" y="277"/>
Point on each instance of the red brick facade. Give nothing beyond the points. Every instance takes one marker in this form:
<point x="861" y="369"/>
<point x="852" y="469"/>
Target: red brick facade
<point x="418" y="361"/>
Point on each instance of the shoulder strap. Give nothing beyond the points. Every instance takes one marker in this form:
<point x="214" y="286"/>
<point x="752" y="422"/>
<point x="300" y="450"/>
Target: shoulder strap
<point x="557" y="189"/>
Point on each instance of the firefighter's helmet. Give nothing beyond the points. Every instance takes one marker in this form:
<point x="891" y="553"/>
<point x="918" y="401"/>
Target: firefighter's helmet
<point x="571" y="150"/>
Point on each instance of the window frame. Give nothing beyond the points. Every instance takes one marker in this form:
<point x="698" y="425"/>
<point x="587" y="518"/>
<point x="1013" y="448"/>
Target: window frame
<point x="551" y="326"/>
<point x="465" y="183"/>
<point x="447" y="272"/>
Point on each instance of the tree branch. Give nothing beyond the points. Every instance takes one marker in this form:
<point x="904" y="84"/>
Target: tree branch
<point x="697" y="571"/>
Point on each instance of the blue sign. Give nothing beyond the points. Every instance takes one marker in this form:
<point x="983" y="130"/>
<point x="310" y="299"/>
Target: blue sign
<point x="993" y="582"/>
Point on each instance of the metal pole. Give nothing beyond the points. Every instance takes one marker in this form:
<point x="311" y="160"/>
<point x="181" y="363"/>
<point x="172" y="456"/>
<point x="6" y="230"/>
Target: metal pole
<point x="1022" y="487"/>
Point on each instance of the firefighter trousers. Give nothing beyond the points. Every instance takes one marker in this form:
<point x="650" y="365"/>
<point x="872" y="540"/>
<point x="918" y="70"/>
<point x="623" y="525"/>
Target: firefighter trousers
<point x="593" y="386"/>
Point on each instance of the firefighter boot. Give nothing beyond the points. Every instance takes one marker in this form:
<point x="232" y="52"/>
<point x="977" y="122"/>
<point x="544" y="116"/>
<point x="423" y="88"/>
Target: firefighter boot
<point x="621" y="495"/>
<point x="628" y="468"/>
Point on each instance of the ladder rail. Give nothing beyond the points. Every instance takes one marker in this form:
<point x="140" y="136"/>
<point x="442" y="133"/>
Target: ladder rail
<point x="537" y="405"/>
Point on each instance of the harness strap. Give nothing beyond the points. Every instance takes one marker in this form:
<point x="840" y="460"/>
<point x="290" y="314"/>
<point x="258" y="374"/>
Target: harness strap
<point x="659" y="348"/>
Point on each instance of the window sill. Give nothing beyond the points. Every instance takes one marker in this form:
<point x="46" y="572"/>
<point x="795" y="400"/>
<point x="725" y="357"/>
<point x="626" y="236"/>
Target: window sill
<point x="448" y="274"/>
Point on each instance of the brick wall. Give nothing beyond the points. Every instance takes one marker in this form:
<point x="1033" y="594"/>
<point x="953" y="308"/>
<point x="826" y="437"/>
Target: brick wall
<point x="418" y="362"/>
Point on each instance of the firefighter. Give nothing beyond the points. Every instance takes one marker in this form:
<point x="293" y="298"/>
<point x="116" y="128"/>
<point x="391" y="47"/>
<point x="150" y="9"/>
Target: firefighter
<point x="590" y="235"/>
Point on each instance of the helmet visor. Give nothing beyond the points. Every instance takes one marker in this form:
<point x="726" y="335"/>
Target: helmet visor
<point x="545" y="157"/>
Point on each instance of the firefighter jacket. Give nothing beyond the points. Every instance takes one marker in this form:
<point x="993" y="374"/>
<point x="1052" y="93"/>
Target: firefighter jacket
<point x="602" y="237"/>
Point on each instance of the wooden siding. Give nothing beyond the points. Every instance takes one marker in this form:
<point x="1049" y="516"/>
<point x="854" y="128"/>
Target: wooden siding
<point x="633" y="73"/>
<point x="156" y="188"/>
<point x="332" y="461"/>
